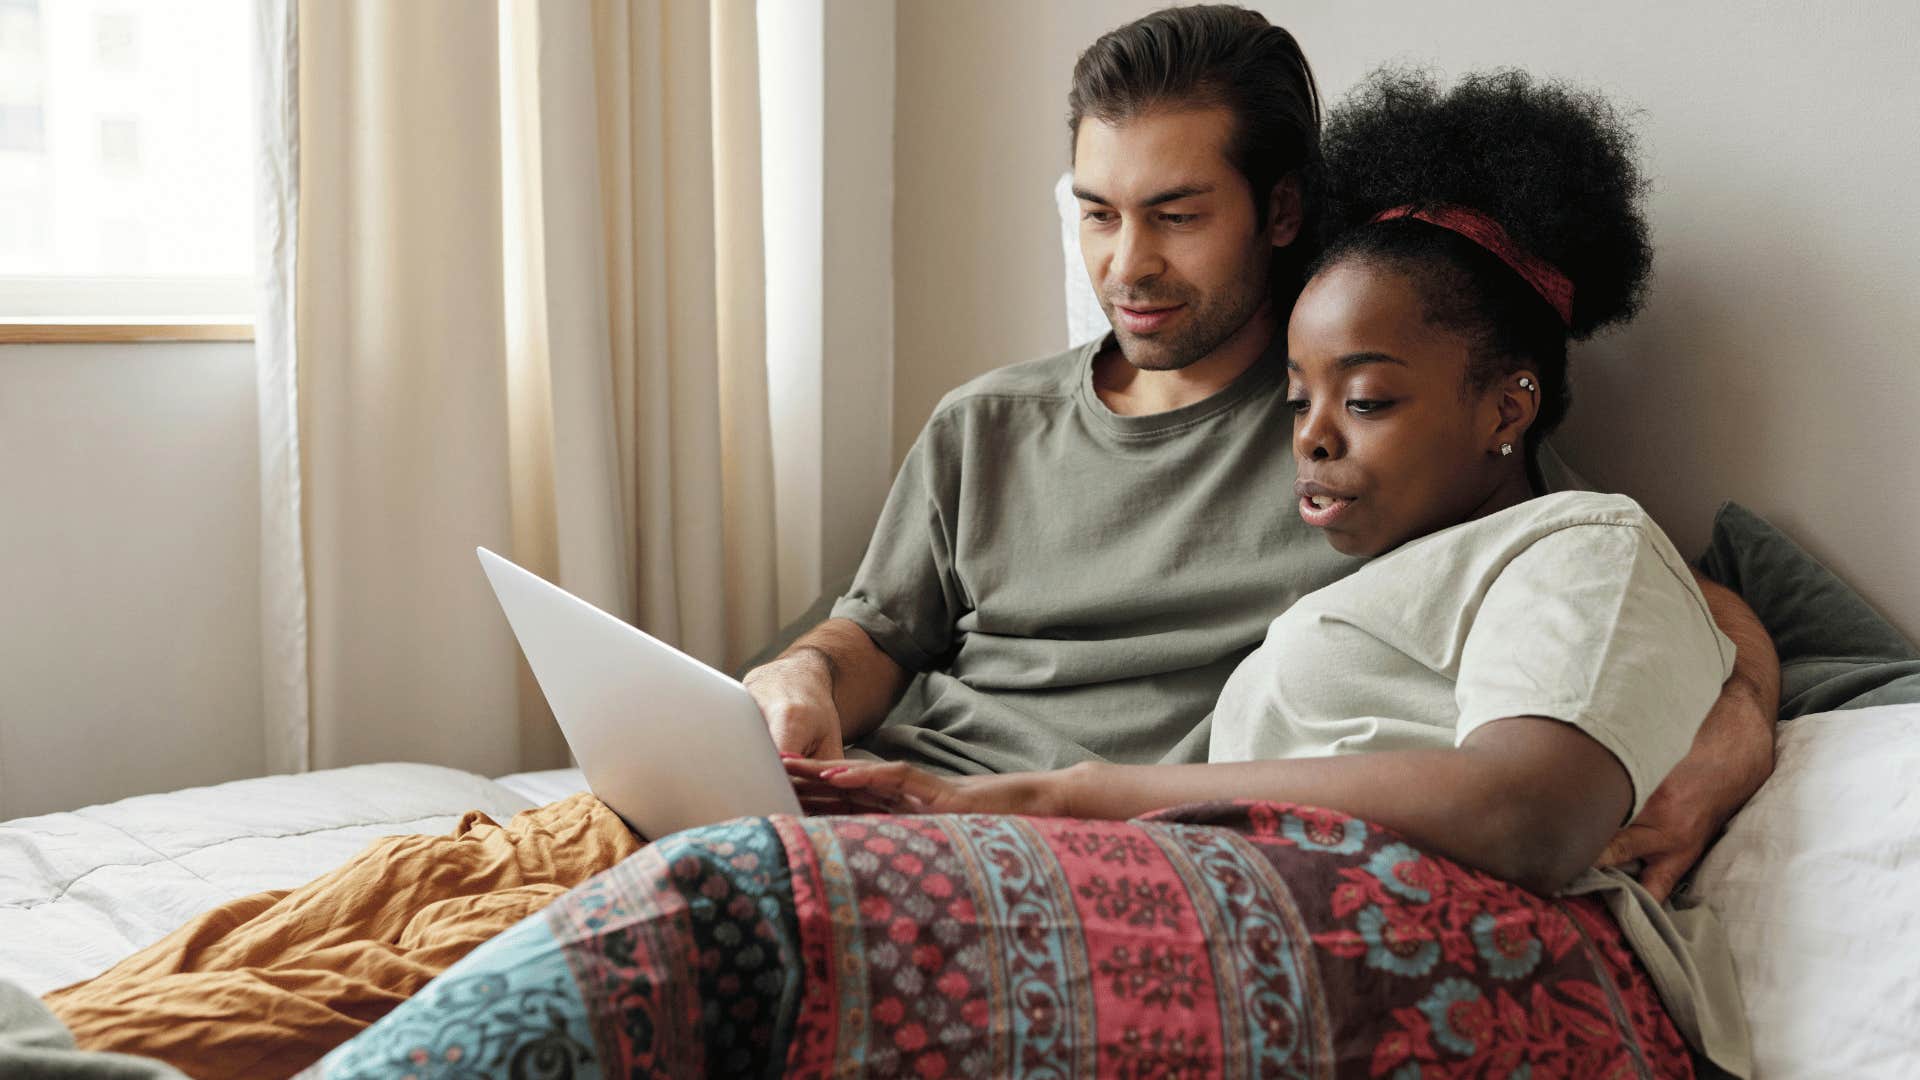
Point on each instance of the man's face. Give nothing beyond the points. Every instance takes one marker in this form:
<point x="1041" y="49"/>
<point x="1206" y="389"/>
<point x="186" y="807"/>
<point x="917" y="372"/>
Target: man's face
<point x="1171" y="234"/>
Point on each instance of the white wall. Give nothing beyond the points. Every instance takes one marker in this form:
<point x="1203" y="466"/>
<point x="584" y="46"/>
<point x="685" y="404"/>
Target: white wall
<point x="858" y="229"/>
<point x="1771" y="365"/>
<point x="129" y="571"/>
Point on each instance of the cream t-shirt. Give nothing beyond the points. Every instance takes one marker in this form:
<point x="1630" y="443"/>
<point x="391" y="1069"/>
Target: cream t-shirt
<point x="1573" y="606"/>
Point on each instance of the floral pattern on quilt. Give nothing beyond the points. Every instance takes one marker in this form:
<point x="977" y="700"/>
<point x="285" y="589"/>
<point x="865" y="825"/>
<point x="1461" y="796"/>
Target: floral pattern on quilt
<point x="513" y="1012"/>
<point x="1237" y="939"/>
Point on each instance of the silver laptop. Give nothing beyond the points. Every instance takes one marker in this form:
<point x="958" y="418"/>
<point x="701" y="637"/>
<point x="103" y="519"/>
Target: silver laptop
<point x="664" y="740"/>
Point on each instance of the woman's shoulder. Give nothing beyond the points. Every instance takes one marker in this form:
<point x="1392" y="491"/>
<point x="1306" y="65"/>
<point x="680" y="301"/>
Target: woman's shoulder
<point x="1566" y="509"/>
<point x="1501" y="535"/>
<point x="1574" y="520"/>
<point x="1578" y="533"/>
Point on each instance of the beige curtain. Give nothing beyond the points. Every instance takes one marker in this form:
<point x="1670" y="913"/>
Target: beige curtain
<point x="528" y="315"/>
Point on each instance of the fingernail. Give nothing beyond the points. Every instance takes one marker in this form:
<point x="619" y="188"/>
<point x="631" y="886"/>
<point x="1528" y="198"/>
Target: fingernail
<point x="832" y="771"/>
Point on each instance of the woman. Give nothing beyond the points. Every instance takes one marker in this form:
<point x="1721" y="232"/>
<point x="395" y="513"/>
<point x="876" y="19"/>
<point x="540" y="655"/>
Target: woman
<point x="1420" y="751"/>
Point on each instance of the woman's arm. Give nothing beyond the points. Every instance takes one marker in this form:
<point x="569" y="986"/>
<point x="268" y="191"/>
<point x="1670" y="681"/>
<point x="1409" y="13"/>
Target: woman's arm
<point x="1527" y="799"/>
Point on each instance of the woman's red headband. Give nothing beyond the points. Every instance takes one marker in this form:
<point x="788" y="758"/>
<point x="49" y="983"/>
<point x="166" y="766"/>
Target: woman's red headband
<point x="1553" y="286"/>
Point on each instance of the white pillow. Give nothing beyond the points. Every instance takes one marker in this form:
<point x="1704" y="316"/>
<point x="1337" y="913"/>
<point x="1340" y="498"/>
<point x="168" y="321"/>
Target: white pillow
<point x="1085" y="320"/>
<point x="1818" y="883"/>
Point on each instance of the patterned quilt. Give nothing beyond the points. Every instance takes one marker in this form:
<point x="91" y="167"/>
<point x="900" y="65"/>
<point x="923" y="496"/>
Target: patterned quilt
<point x="1230" y="940"/>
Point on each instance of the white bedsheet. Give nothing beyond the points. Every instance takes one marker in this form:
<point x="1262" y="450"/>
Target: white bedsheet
<point x="551" y="785"/>
<point x="80" y="891"/>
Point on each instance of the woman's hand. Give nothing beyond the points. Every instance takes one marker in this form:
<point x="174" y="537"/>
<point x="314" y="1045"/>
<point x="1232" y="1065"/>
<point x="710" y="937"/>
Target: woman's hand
<point x="865" y="787"/>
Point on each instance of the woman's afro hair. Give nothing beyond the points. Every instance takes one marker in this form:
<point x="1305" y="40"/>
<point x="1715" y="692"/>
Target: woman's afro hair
<point x="1554" y="164"/>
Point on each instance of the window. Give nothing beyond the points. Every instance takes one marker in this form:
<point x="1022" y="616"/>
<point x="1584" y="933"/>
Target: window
<point x="126" y="143"/>
<point x="23" y="128"/>
<point x="19" y="25"/>
<point x="116" y="41"/>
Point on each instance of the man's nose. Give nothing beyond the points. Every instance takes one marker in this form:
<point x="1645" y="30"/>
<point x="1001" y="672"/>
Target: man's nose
<point x="1136" y="256"/>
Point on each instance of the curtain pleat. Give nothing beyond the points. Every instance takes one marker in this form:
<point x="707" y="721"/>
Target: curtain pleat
<point x="284" y="679"/>
<point x="746" y="435"/>
<point x="527" y="313"/>
<point x="402" y="383"/>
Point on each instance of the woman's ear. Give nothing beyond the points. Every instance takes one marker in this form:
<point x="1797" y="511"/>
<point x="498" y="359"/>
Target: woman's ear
<point x="1285" y="211"/>
<point x="1517" y="404"/>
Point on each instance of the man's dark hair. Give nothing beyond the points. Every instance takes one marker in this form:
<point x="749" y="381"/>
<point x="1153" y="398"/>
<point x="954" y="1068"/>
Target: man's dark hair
<point x="1215" y="55"/>
<point x="1555" y="165"/>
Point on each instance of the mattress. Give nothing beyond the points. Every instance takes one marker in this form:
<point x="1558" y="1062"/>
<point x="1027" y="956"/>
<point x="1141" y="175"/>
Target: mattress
<point x="81" y="890"/>
<point x="550" y="785"/>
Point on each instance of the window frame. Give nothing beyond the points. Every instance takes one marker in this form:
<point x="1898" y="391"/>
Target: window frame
<point x="66" y="310"/>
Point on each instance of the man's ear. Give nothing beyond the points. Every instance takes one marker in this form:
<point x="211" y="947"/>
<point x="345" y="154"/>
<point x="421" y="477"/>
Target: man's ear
<point x="1285" y="211"/>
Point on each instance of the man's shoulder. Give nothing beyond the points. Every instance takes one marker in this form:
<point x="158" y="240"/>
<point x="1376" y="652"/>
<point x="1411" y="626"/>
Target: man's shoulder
<point x="1050" y="379"/>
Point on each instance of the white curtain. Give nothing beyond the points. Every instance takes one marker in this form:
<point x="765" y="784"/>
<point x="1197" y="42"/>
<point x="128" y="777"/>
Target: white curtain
<point x="514" y="300"/>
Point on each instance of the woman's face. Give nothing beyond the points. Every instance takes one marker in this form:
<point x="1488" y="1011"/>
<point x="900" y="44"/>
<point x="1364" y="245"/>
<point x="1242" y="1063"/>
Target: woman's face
<point x="1391" y="441"/>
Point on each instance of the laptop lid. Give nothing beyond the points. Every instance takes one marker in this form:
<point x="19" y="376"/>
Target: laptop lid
<point x="664" y="740"/>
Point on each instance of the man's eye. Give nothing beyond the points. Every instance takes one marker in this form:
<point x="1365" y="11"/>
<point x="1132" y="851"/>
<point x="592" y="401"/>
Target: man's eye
<point x="1366" y="406"/>
<point x="1179" y="219"/>
<point x="1098" y="217"/>
<point x="1298" y="406"/>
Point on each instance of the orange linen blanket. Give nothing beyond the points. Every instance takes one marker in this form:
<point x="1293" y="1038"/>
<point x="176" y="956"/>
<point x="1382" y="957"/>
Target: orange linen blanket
<point x="264" y="985"/>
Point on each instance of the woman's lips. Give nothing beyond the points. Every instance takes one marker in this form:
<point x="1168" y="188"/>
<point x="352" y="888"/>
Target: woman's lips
<point x="1145" y="320"/>
<point x="1322" y="516"/>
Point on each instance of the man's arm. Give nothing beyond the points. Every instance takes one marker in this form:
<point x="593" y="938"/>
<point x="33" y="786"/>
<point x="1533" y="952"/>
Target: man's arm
<point x="1732" y="756"/>
<point x="828" y="688"/>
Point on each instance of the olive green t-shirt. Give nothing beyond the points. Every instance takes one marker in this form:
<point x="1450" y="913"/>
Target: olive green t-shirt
<point x="1076" y="584"/>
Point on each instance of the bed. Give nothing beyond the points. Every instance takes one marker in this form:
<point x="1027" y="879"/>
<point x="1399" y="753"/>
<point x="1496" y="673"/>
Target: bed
<point x="81" y="890"/>
<point x="1814" y="879"/>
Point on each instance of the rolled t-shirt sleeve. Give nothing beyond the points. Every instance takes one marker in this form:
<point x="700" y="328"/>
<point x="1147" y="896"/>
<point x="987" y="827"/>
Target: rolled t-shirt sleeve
<point x="1601" y="626"/>
<point x="906" y="595"/>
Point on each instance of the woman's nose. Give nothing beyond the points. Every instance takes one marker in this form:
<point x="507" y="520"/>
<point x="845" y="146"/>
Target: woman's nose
<point x="1315" y="436"/>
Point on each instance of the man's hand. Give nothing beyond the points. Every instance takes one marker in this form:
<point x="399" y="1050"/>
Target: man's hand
<point x="1731" y="757"/>
<point x="1669" y="836"/>
<point x="795" y="695"/>
<point x="891" y="787"/>
<point x="830" y="687"/>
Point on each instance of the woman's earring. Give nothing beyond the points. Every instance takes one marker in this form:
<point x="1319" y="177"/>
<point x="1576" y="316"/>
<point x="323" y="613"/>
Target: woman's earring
<point x="1526" y="383"/>
<point x="1506" y="448"/>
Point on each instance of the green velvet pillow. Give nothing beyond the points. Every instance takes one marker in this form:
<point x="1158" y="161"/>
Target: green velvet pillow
<point x="1836" y="652"/>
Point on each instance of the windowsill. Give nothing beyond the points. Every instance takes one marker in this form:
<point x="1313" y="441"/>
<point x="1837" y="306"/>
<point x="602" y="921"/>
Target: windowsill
<point x="131" y="329"/>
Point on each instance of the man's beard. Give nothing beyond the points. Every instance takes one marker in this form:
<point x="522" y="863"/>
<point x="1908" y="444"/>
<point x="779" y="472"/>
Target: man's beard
<point x="1210" y="322"/>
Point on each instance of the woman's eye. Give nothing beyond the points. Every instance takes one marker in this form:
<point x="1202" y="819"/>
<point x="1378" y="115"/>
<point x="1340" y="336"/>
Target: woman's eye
<point x="1298" y="406"/>
<point x="1367" y="406"/>
<point x="1098" y="217"/>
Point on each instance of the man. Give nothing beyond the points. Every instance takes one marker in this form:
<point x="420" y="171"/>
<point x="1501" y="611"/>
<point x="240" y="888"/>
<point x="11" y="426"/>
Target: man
<point x="1079" y="550"/>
